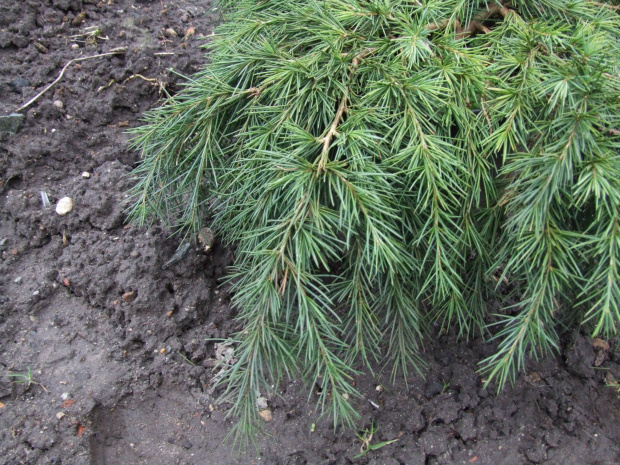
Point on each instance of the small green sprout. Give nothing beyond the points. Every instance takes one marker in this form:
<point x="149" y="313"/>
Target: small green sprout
<point x="366" y="438"/>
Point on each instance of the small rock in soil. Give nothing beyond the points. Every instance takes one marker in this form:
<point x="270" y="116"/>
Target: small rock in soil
<point x="86" y="175"/>
<point x="600" y="344"/>
<point x="261" y="403"/>
<point x="40" y="47"/>
<point x="11" y="124"/>
<point x="78" y="19"/>
<point x="205" y="237"/>
<point x="266" y="414"/>
<point x="600" y="358"/>
<point x="129" y="296"/>
<point x="64" y="206"/>
<point x="171" y="33"/>
<point x="58" y="104"/>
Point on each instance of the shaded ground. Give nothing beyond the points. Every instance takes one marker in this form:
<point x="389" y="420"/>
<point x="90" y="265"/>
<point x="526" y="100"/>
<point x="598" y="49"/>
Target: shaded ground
<point x="120" y="370"/>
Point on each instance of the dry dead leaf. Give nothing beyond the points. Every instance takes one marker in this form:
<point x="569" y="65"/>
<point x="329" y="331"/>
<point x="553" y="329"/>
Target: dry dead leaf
<point x="80" y="430"/>
<point x="67" y="403"/>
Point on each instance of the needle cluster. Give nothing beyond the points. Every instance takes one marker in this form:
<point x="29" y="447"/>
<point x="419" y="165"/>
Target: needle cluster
<point x="383" y="164"/>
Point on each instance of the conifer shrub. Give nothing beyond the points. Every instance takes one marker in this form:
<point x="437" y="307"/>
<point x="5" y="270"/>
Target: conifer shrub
<point x="380" y="165"/>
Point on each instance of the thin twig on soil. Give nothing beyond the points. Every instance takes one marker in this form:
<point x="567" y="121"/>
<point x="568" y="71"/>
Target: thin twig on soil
<point x="139" y="76"/>
<point x="34" y="99"/>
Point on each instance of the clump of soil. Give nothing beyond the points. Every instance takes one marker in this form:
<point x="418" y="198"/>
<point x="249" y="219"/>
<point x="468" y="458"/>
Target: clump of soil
<point x="110" y="350"/>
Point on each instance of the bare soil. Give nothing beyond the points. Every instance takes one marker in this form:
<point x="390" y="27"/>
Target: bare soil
<point x="120" y="368"/>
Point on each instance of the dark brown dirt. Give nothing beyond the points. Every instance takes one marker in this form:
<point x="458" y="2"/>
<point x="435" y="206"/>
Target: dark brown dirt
<point x="122" y="381"/>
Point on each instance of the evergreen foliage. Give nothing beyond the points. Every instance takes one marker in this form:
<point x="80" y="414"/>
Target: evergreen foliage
<point x="383" y="164"/>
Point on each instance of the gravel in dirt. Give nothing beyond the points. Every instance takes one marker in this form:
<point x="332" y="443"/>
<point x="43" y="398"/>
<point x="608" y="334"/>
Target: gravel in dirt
<point x="108" y="351"/>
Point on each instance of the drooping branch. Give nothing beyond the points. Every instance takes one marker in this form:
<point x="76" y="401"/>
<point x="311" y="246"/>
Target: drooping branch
<point x="333" y="128"/>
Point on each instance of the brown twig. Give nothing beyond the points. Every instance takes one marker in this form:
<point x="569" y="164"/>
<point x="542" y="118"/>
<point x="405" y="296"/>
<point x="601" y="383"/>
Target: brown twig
<point x="476" y="24"/>
<point x="139" y="76"/>
<point x="333" y="128"/>
<point x="34" y="99"/>
<point x="606" y="5"/>
<point x="486" y="114"/>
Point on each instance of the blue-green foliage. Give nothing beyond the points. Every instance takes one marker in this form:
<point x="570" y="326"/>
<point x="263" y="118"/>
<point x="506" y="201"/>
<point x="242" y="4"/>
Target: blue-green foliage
<point x="382" y="163"/>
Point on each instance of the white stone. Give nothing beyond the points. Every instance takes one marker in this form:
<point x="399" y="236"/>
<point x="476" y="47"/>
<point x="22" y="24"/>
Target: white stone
<point x="64" y="206"/>
<point x="86" y="174"/>
<point x="59" y="104"/>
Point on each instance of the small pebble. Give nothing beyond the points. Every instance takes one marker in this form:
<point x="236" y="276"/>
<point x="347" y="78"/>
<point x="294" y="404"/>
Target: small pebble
<point x="206" y="238"/>
<point x="58" y="104"/>
<point x="171" y="32"/>
<point x="75" y="46"/>
<point x="64" y="206"/>
<point x="129" y="296"/>
<point x="18" y="280"/>
<point x="266" y="414"/>
<point x="600" y="344"/>
<point x="35" y="293"/>
<point x="59" y="415"/>
<point x="65" y="395"/>
<point x="86" y="175"/>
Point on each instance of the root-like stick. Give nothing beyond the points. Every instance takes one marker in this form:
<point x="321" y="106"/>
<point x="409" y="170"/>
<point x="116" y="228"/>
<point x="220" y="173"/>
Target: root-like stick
<point x="606" y="5"/>
<point x="139" y="76"/>
<point x="476" y="24"/>
<point x="34" y="99"/>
